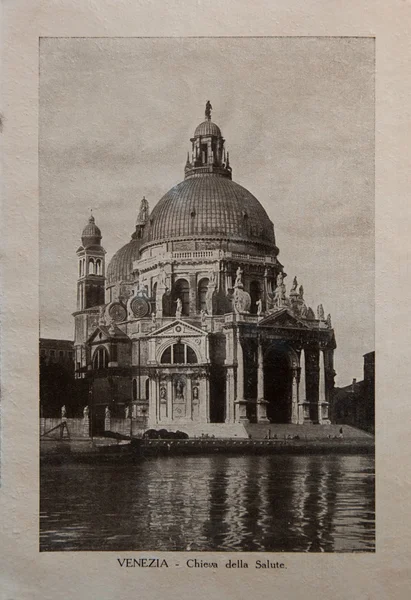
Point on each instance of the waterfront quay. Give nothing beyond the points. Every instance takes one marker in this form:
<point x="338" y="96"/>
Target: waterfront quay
<point x="272" y="440"/>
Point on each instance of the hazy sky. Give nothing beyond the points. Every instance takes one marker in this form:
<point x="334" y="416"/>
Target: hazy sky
<point x="116" y="116"/>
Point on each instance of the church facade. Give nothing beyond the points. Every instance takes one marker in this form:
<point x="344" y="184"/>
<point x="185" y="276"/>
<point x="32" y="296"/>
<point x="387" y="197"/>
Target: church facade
<point x="191" y="321"/>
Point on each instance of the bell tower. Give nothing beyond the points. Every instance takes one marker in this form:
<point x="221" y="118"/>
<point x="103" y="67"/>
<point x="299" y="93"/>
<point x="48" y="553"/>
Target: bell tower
<point x="91" y="267"/>
<point x="90" y="291"/>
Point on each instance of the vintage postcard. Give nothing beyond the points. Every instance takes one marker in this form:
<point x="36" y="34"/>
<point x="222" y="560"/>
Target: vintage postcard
<point x="211" y="385"/>
<point x="201" y="363"/>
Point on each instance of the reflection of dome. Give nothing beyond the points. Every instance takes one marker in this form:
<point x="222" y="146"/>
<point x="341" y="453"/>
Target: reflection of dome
<point x="207" y="128"/>
<point x="91" y="233"/>
<point x="209" y="206"/>
<point x="121" y="265"/>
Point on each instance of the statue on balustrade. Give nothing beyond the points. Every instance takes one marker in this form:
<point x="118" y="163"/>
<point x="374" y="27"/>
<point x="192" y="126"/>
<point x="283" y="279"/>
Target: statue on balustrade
<point x="179" y="308"/>
<point x="280" y="299"/>
<point x="239" y="278"/>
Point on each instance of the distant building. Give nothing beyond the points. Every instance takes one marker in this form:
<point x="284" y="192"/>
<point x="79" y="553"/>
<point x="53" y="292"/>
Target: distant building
<point x="57" y="351"/>
<point x="57" y="383"/>
<point x="354" y="404"/>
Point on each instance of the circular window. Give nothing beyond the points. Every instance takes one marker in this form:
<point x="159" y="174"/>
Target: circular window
<point x="117" y="312"/>
<point x="140" y="307"/>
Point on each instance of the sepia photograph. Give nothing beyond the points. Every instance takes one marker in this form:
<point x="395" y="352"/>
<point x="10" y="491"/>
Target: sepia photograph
<point x="206" y="334"/>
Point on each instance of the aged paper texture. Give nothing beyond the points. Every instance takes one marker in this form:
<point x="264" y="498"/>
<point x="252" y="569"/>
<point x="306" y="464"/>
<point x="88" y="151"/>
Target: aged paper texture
<point x="205" y="223"/>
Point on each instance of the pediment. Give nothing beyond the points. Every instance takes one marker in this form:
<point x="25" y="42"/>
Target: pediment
<point x="177" y="329"/>
<point x="104" y="334"/>
<point x="283" y="318"/>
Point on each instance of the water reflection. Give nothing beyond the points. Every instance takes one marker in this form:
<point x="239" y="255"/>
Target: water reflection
<point x="249" y="503"/>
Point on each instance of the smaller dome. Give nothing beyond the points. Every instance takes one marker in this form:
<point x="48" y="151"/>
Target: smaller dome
<point x="91" y="233"/>
<point x="120" y="267"/>
<point x="207" y="128"/>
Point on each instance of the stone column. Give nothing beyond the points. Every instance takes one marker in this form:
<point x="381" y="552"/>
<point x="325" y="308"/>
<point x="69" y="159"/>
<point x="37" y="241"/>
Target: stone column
<point x="228" y="281"/>
<point x="294" y="397"/>
<point x="169" y="400"/>
<point x="161" y="290"/>
<point x="322" y="397"/>
<point x="241" y="404"/>
<point x="261" y="402"/>
<point x="192" y="294"/>
<point x="204" y="400"/>
<point x="229" y="395"/>
<point x="189" y="399"/>
<point x="303" y="405"/>
<point x="153" y="411"/>
<point x="207" y="399"/>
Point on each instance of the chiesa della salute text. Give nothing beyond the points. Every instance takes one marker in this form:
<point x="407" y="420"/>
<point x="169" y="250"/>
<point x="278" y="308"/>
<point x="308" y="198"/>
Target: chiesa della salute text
<point x="190" y="323"/>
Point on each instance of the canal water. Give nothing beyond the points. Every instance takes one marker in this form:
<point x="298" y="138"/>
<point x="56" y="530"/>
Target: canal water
<point x="204" y="503"/>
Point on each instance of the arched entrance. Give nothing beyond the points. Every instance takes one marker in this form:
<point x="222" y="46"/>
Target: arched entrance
<point x="277" y="384"/>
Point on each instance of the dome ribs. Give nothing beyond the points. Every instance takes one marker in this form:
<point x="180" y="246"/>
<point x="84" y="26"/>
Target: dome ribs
<point x="212" y="206"/>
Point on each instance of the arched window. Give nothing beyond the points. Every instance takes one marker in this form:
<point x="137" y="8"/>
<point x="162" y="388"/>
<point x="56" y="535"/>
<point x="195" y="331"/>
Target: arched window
<point x="91" y="266"/>
<point x="182" y="291"/>
<point x="98" y="267"/>
<point x="202" y="293"/>
<point x="166" y="356"/>
<point x="255" y="294"/>
<point x="134" y="389"/>
<point x="100" y="360"/>
<point x="191" y="357"/>
<point x="147" y="384"/>
<point x="178" y="354"/>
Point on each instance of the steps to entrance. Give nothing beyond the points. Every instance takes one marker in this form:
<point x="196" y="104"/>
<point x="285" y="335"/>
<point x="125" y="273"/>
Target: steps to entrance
<point x="259" y="431"/>
<point x="218" y="430"/>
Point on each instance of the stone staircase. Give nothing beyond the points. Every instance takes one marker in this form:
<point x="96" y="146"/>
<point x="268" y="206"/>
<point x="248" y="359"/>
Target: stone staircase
<point x="305" y="432"/>
<point x="218" y="430"/>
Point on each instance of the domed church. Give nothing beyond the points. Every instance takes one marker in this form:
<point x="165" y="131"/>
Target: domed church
<point x="192" y="323"/>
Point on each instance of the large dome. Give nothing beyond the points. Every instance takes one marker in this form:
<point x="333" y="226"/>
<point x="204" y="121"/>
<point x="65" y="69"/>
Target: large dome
<point x="209" y="206"/>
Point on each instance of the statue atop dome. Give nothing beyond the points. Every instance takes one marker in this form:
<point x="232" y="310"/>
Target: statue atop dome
<point x="208" y="110"/>
<point x="143" y="213"/>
